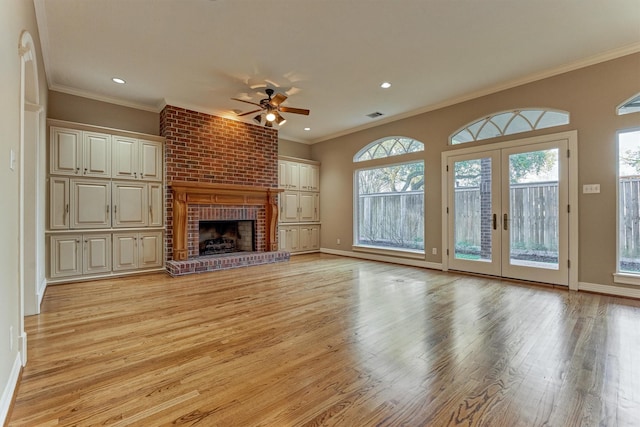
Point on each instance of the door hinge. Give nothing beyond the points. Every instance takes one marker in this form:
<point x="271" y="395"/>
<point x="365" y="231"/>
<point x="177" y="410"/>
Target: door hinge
<point x="447" y="252"/>
<point x="568" y="208"/>
<point x="568" y="263"/>
<point x="447" y="209"/>
<point x="568" y="153"/>
<point x="447" y="168"/>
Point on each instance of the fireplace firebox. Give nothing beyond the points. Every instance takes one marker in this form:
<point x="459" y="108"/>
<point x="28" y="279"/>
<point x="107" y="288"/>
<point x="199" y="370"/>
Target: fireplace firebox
<point x="223" y="237"/>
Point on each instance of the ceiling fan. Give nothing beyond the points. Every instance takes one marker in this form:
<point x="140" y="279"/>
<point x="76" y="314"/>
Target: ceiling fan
<point x="271" y="106"/>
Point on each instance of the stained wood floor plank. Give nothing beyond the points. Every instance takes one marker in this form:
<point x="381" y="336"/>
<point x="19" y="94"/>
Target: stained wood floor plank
<point x="326" y="340"/>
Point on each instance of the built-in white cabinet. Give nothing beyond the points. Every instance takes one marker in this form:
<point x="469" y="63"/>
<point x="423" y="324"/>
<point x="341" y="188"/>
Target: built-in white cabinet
<point x="299" y="238"/>
<point x="309" y="177"/>
<point x="79" y="254"/>
<point x="136" y="159"/>
<point x="132" y="251"/>
<point x="90" y="203"/>
<point x="59" y="203"/>
<point x="130" y="204"/>
<point x="309" y="237"/>
<point x="105" y="202"/>
<point x="299" y="205"/>
<point x="288" y="238"/>
<point x="80" y="153"/>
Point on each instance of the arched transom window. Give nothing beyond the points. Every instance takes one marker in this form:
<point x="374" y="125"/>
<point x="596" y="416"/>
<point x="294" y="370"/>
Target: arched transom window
<point x="630" y="106"/>
<point x="387" y="147"/>
<point x="509" y="122"/>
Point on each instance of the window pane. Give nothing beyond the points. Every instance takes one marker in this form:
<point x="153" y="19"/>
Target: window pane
<point x="629" y="202"/>
<point x="553" y="118"/>
<point x="391" y="207"/>
<point x="632" y="106"/>
<point x="388" y="147"/>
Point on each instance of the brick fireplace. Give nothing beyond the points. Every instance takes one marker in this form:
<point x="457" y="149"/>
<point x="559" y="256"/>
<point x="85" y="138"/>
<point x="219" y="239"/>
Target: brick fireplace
<point x="219" y="169"/>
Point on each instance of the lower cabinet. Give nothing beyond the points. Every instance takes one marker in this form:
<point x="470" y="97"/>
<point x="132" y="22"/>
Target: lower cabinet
<point x="88" y="254"/>
<point x="299" y="238"/>
<point x="132" y="251"/>
<point x="76" y="254"/>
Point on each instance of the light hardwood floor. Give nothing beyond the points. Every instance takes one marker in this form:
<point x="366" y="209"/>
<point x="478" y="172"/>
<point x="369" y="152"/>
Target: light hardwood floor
<point x="326" y="340"/>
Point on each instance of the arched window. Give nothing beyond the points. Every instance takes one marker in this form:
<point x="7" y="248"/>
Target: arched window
<point x="389" y="198"/>
<point x="387" y="147"/>
<point x="509" y="122"/>
<point x="631" y="105"/>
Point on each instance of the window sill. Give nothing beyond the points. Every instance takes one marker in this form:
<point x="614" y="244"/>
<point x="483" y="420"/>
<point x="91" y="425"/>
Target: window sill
<point x="401" y="253"/>
<point x="627" y="278"/>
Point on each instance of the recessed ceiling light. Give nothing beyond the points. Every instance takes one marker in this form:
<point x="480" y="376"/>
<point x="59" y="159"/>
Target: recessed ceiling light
<point x="307" y="129"/>
<point x="118" y="80"/>
<point x="385" y="85"/>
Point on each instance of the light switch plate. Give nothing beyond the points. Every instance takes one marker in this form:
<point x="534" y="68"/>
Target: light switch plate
<point x="12" y="160"/>
<point x="590" y="188"/>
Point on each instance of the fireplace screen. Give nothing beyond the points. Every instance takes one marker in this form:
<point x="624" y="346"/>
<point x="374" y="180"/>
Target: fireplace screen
<point x="221" y="237"/>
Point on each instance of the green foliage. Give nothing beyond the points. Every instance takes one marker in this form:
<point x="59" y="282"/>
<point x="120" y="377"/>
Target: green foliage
<point x="468" y="172"/>
<point x="392" y="179"/>
<point x="631" y="158"/>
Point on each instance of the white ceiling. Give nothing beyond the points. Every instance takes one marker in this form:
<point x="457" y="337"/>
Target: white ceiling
<point x="329" y="56"/>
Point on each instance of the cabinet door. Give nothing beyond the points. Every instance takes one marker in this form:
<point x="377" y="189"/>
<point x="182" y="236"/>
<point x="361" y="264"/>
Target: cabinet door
<point x="305" y="176"/>
<point x="156" y="205"/>
<point x="292" y="176"/>
<point x="282" y="174"/>
<point x="90" y="204"/>
<point x="65" y="255"/>
<point x="130" y="204"/>
<point x="289" y="206"/>
<point x="124" y="157"/>
<point x="305" y="238"/>
<point x="150" y="249"/>
<point x="293" y="239"/>
<point x="58" y="203"/>
<point x="65" y="151"/>
<point x="308" y="209"/>
<point x="314" y="237"/>
<point x="96" y="155"/>
<point x="314" y="178"/>
<point x="282" y="239"/>
<point x="97" y="253"/>
<point x="150" y="164"/>
<point x="125" y="251"/>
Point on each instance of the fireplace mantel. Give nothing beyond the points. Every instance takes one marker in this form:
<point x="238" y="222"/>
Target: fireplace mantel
<point x="189" y="192"/>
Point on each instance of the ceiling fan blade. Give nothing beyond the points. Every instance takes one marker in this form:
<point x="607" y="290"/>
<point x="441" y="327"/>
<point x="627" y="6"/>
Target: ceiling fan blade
<point x="278" y="99"/>
<point x="248" y="102"/>
<point x="294" y="110"/>
<point x="250" y="112"/>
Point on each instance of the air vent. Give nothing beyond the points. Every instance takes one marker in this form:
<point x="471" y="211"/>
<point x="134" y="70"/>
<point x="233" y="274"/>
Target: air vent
<point x="374" y="115"/>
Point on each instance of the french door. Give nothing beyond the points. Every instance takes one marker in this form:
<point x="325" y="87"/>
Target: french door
<point x="507" y="212"/>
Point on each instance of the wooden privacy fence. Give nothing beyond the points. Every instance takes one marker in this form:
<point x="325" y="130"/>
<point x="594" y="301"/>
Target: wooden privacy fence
<point x="533" y="220"/>
<point x="393" y="220"/>
<point x="629" y="220"/>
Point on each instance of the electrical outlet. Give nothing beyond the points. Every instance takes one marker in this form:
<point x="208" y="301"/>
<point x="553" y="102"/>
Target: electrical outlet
<point x="10" y="338"/>
<point x="338" y="241"/>
<point x="434" y="251"/>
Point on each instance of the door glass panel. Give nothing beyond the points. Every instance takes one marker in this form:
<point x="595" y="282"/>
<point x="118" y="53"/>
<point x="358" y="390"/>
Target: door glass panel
<point x="473" y="219"/>
<point x="533" y="209"/>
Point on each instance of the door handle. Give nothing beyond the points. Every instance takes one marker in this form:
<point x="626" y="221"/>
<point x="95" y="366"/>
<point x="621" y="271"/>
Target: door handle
<point x="495" y="221"/>
<point x="505" y="221"/>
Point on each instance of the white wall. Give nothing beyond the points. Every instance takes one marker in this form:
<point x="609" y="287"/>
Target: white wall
<point x="15" y="17"/>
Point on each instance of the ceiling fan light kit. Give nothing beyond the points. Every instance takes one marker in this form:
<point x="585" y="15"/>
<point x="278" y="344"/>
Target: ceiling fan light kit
<point x="271" y="105"/>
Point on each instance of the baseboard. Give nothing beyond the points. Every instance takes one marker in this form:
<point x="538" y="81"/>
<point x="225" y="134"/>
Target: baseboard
<point x="384" y="258"/>
<point x="40" y="293"/>
<point x="619" y="291"/>
<point x="9" y="390"/>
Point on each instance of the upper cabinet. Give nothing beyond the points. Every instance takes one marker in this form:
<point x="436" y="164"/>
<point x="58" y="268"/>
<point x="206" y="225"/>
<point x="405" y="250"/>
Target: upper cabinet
<point x="296" y="175"/>
<point x="80" y="153"/>
<point x="136" y="159"/>
<point x="100" y="155"/>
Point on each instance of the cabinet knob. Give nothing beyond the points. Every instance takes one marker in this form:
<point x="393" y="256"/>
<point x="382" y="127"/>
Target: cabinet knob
<point x="135" y="174"/>
<point x="66" y="209"/>
<point x="107" y="208"/>
<point x="141" y="175"/>
<point x="85" y="171"/>
<point x="77" y="171"/>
